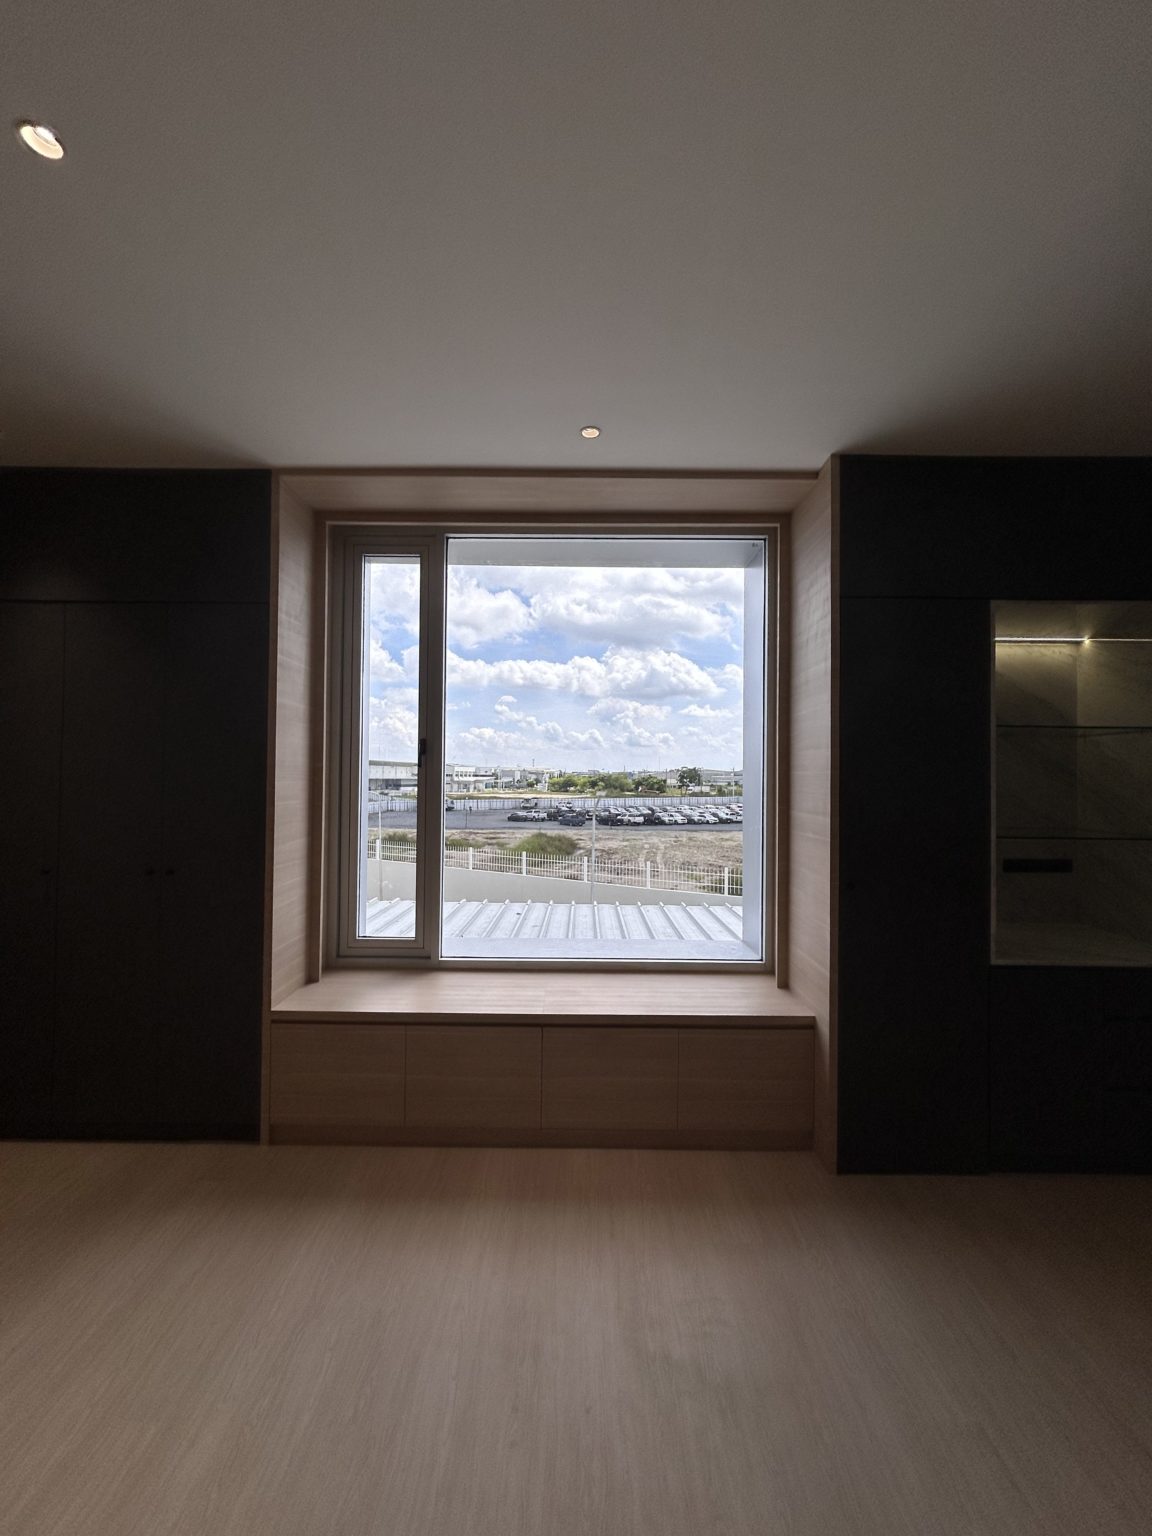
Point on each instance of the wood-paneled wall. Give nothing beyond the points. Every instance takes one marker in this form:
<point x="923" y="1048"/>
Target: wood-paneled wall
<point x="812" y="784"/>
<point x="292" y="790"/>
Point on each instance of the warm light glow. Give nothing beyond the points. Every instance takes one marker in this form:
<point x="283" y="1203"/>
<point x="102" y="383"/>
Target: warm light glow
<point x="1041" y="639"/>
<point x="589" y="431"/>
<point x="41" y="140"/>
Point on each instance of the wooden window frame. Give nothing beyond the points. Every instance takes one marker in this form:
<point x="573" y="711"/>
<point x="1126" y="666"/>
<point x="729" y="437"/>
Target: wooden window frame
<point x="407" y="533"/>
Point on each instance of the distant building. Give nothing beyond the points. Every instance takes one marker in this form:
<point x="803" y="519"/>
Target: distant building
<point x="459" y="778"/>
<point x="384" y="776"/>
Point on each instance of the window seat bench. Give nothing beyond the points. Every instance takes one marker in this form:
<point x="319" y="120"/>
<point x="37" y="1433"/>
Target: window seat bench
<point x="444" y="1057"/>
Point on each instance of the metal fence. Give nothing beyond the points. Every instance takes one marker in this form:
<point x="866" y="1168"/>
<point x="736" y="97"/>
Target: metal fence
<point x="721" y="879"/>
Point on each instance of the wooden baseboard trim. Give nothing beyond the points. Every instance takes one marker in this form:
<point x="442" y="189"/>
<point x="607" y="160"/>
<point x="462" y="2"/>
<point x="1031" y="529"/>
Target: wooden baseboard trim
<point x="432" y="1136"/>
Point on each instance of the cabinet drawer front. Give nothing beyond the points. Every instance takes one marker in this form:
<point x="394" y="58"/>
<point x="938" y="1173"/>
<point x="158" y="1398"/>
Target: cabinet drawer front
<point x="610" y="1079"/>
<point x="473" y="1076"/>
<point x="748" y="1079"/>
<point x="337" y="1074"/>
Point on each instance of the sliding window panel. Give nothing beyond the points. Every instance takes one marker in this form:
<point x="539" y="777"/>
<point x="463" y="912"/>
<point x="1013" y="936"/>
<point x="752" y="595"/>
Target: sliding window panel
<point x="379" y="736"/>
<point x="606" y="748"/>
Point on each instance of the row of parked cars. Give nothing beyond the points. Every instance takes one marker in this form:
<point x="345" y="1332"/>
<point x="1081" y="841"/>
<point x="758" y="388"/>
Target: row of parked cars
<point x="569" y="815"/>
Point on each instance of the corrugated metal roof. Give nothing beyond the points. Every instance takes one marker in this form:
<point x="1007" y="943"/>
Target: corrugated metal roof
<point x="608" y="921"/>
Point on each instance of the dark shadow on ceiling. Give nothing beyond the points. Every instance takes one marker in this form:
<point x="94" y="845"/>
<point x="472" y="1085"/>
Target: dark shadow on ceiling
<point x="112" y="428"/>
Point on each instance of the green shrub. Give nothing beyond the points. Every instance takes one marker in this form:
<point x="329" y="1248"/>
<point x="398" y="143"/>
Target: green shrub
<point x="554" y="844"/>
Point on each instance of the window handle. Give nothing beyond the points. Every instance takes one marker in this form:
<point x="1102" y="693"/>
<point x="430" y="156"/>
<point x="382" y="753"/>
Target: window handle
<point x="421" y="749"/>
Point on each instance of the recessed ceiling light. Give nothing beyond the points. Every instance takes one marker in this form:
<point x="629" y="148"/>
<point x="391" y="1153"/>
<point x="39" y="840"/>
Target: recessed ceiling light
<point x="589" y="431"/>
<point x="41" y="140"/>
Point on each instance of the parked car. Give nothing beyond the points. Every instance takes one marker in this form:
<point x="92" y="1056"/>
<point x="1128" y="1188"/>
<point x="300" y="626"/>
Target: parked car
<point x="629" y="819"/>
<point x="572" y="818"/>
<point x="526" y="816"/>
<point x="449" y="805"/>
<point x="527" y="805"/>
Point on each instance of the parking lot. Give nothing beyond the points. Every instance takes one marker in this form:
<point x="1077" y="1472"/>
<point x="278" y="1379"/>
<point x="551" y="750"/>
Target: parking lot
<point x="477" y="819"/>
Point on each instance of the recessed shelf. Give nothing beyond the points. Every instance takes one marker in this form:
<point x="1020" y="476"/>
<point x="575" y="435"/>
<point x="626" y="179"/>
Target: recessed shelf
<point x="1072" y="739"/>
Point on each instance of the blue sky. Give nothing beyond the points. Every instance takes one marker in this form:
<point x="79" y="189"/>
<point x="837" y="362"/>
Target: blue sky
<point x="568" y="667"/>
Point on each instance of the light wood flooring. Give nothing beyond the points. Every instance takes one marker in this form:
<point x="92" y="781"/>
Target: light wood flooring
<point x="232" y="1341"/>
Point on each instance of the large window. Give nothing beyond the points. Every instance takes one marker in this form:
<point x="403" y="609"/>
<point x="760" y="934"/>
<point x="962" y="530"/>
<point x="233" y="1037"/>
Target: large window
<point x="551" y="748"/>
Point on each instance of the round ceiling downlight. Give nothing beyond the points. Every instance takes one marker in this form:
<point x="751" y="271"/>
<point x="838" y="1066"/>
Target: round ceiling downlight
<point x="41" y="140"/>
<point x="589" y="431"/>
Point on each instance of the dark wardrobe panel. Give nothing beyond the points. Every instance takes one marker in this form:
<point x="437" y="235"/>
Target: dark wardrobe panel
<point x="135" y="535"/>
<point x="1023" y="528"/>
<point x="31" y="679"/>
<point x="212" y="888"/>
<point x="133" y="766"/>
<point x="915" y="689"/>
<point x="1071" y="1069"/>
<point x="109" y="914"/>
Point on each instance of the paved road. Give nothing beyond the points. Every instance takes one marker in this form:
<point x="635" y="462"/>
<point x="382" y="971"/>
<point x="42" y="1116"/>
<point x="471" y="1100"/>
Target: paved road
<point x="489" y="820"/>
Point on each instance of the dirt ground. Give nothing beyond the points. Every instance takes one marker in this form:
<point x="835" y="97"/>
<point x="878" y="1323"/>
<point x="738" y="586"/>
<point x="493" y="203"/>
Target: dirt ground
<point x="705" y="847"/>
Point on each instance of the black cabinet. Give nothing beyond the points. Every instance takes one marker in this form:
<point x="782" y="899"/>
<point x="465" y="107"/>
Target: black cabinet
<point x="161" y="888"/>
<point x="134" y="535"/>
<point x="109" y="988"/>
<point x="913" y="912"/>
<point x="212" y="879"/>
<point x="31" y="714"/>
<point x="945" y="1061"/>
<point x="133" y="801"/>
<point x="1071" y="1078"/>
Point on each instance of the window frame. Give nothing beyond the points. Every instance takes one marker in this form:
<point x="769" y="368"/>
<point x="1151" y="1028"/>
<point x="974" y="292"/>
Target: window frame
<point x="346" y="540"/>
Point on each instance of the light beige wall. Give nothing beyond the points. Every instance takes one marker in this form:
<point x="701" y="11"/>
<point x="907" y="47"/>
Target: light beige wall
<point x="812" y="783"/>
<point x="295" y="616"/>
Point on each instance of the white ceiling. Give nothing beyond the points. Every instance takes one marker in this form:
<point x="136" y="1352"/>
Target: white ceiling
<point x="733" y="233"/>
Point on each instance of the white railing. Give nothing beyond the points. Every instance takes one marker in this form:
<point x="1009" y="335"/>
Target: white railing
<point x="723" y="879"/>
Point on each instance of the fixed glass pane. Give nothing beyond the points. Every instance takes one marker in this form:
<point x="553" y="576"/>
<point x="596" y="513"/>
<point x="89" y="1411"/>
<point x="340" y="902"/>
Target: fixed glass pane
<point x="605" y="720"/>
<point x="1073" y="751"/>
<point x="389" y="755"/>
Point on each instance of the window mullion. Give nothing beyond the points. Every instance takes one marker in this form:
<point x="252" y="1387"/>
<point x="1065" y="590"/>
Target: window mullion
<point x="433" y="645"/>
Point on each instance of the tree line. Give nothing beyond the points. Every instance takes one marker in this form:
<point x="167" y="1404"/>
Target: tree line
<point x="622" y="783"/>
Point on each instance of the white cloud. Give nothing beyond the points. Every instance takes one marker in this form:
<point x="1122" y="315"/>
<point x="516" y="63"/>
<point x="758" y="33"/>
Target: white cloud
<point x="476" y="614"/>
<point x="629" y="709"/>
<point x="621" y="672"/>
<point x="394" y="595"/>
<point x="627" y="604"/>
<point x="624" y="617"/>
<point x="730" y="677"/>
<point x="531" y="736"/>
<point x="393" y="725"/>
<point x="384" y="668"/>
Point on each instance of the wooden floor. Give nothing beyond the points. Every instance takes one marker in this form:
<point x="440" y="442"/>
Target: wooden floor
<point x="420" y="1342"/>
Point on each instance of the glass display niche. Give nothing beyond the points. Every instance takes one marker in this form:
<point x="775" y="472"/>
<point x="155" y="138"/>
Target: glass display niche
<point x="1073" y="767"/>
